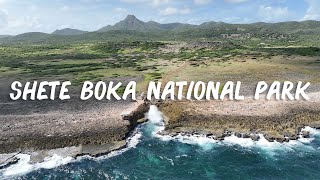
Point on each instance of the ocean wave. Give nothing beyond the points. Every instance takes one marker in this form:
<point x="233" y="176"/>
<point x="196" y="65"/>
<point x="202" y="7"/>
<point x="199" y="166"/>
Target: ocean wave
<point x="23" y="166"/>
<point x="132" y="142"/>
<point x="312" y="131"/>
<point x="271" y="148"/>
<point x="205" y="142"/>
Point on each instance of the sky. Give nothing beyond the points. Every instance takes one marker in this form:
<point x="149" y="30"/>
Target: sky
<point x="19" y="16"/>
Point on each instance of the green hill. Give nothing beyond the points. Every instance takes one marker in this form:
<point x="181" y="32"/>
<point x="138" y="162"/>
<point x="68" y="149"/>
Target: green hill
<point x="68" y="31"/>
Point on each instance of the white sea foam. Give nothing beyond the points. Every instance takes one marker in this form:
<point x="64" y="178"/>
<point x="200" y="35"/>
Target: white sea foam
<point x="200" y="140"/>
<point x="312" y="131"/>
<point x="270" y="148"/>
<point x="245" y="142"/>
<point x="156" y="118"/>
<point x="154" y="115"/>
<point x="23" y="166"/>
<point x="305" y="140"/>
<point x="132" y="142"/>
<point x="170" y="160"/>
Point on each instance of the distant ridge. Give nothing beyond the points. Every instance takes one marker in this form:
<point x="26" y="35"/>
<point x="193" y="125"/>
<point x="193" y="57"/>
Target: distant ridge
<point x="134" y="24"/>
<point x="68" y="31"/>
<point x="4" y="36"/>
<point x="131" y="28"/>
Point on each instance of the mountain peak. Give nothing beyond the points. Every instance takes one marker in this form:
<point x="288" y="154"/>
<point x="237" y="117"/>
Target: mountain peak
<point x="131" y="22"/>
<point x="131" y="17"/>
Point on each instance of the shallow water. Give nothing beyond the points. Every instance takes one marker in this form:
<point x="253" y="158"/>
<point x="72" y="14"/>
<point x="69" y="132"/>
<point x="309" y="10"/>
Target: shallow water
<point x="151" y="157"/>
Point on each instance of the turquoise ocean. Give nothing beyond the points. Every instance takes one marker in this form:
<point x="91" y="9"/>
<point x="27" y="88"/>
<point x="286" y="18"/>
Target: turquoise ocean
<point x="150" y="156"/>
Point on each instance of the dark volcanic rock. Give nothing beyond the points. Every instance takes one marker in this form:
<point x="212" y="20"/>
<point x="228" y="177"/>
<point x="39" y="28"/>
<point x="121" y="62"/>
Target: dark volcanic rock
<point x="255" y="137"/>
<point x="305" y="134"/>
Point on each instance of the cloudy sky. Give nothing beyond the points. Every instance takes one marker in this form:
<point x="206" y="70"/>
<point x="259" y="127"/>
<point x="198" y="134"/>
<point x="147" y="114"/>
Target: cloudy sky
<point x="18" y="16"/>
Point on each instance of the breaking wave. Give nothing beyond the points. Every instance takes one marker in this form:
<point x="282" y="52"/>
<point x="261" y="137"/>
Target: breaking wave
<point x="24" y="166"/>
<point x="205" y="142"/>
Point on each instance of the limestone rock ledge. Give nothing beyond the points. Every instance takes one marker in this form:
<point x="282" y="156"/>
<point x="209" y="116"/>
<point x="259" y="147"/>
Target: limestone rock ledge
<point x="277" y="120"/>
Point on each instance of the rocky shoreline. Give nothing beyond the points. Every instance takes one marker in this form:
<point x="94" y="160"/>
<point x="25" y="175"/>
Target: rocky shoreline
<point x="222" y="136"/>
<point x="107" y="125"/>
<point x="69" y="129"/>
<point x="279" y="121"/>
<point x="220" y="132"/>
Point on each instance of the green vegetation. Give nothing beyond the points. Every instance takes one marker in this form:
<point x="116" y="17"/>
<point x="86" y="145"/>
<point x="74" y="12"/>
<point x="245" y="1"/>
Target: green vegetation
<point x="132" y="59"/>
<point x="162" y="52"/>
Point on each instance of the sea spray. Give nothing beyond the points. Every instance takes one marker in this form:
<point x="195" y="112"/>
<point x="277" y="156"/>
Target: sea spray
<point x="157" y="125"/>
<point x="156" y="119"/>
<point x="263" y="145"/>
<point x="155" y="116"/>
<point x="132" y="142"/>
<point x="24" y="166"/>
<point x="180" y="157"/>
<point x="312" y="131"/>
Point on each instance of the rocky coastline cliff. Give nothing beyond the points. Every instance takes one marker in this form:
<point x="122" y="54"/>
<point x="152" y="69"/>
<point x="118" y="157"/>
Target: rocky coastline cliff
<point x="279" y="121"/>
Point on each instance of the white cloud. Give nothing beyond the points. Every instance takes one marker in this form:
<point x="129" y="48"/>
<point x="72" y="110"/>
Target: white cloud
<point x="33" y="8"/>
<point x="235" y="1"/>
<point x="3" y="1"/>
<point x="172" y="11"/>
<point x="201" y="2"/>
<point x="169" y="11"/>
<point x="25" y="22"/>
<point x="134" y="1"/>
<point x="155" y="3"/>
<point x="3" y="18"/>
<point x="90" y="1"/>
<point x="313" y="12"/>
<point x="17" y="25"/>
<point x="64" y="8"/>
<point x="236" y="20"/>
<point x="269" y="13"/>
<point x="185" y="11"/>
<point x="159" y="2"/>
<point x="120" y="10"/>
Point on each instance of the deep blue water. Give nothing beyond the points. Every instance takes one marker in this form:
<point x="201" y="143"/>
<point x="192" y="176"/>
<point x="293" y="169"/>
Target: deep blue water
<point x="154" y="158"/>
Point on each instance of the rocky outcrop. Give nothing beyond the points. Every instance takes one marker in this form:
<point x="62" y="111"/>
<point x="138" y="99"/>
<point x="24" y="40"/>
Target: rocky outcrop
<point x="182" y="117"/>
<point x="92" y="143"/>
<point x="7" y="160"/>
<point x="52" y="131"/>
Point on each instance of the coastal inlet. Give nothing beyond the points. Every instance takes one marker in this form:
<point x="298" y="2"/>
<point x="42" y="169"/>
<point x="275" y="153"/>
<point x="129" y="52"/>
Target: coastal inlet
<point x="154" y="156"/>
